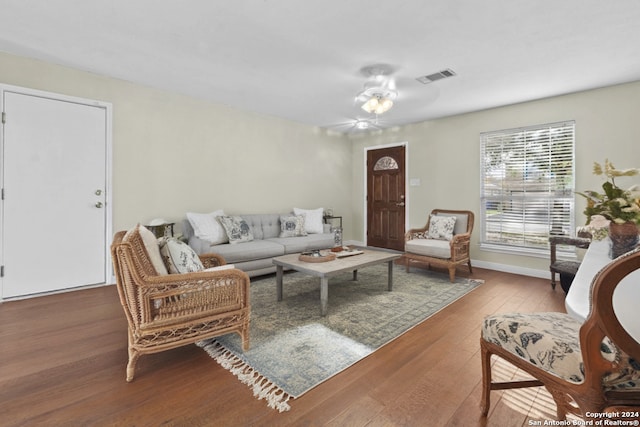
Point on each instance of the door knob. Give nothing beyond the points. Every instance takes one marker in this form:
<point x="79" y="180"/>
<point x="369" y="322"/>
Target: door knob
<point x="400" y="204"/>
<point x="99" y="205"/>
<point x="98" y="192"/>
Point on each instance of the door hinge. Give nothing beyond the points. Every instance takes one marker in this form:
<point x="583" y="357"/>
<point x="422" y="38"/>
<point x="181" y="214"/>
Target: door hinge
<point x="4" y="117"/>
<point x="2" y="194"/>
<point x="1" y="270"/>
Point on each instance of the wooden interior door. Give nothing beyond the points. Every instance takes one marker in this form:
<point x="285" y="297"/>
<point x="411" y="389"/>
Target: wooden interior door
<point x="386" y="200"/>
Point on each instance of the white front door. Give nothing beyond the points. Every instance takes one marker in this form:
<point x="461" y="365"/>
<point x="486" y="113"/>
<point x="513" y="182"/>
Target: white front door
<point x="54" y="217"/>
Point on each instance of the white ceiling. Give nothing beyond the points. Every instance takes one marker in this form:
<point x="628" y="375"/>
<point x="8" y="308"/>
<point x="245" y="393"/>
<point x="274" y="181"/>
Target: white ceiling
<point x="301" y="60"/>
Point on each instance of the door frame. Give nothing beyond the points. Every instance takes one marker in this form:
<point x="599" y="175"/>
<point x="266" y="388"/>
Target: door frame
<point x="108" y="108"/>
<point x="366" y="150"/>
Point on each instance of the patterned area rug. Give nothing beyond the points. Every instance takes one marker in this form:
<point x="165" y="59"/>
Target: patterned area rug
<point x="293" y="348"/>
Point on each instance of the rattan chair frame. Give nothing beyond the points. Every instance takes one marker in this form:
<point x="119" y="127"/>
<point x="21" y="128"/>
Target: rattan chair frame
<point x="459" y="244"/>
<point x="169" y="311"/>
<point x="589" y="396"/>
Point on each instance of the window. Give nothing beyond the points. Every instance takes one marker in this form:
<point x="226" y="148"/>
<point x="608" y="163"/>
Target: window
<point x="527" y="186"/>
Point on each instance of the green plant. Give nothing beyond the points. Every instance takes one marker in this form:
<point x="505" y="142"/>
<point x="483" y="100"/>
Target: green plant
<point x="614" y="203"/>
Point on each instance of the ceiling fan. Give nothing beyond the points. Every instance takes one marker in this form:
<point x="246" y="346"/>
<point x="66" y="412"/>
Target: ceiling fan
<point x="377" y="97"/>
<point x="379" y="90"/>
<point x="357" y="125"/>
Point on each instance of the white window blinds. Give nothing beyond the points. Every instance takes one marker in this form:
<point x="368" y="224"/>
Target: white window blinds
<point x="527" y="180"/>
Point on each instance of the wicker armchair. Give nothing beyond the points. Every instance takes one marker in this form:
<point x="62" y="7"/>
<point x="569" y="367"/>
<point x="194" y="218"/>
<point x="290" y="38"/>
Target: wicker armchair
<point x="586" y="367"/>
<point x="168" y="311"/>
<point x="419" y="247"/>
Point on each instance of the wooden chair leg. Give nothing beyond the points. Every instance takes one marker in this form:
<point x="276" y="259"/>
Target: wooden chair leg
<point x="485" y="401"/>
<point x="131" y="365"/>
<point x="245" y="336"/>
<point x="452" y="273"/>
<point x="469" y="264"/>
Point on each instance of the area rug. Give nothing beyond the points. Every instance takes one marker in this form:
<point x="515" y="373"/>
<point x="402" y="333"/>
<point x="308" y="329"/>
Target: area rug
<point x="293" y="348"/>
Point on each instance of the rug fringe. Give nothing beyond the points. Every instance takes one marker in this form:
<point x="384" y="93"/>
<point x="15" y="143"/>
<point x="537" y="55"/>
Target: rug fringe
<point x="262" y="387"/>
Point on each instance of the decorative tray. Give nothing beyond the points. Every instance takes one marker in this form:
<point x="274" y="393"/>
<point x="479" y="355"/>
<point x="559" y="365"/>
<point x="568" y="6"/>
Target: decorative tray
<point x="348" y="252"/>
<point x="317" y="256"/>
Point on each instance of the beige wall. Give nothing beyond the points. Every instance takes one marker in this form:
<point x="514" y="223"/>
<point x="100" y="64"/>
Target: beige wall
<point x="444" y="154"/>
<point x="173" y="154"/>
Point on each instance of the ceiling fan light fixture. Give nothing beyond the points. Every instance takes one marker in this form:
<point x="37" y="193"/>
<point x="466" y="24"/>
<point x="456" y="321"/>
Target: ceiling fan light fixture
<point x="377" y="104"/>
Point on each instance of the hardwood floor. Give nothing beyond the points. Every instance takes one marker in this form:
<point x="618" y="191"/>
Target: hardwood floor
<point x="63" y="357"/>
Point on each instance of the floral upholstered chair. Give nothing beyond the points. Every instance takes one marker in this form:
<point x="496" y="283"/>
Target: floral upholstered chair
<point x="443" y="242"/>
<point x="586" y="368"/>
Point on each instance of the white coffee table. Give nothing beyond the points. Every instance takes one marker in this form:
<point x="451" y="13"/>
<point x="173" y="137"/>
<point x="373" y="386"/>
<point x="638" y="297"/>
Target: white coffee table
<point x="324" y="270"/>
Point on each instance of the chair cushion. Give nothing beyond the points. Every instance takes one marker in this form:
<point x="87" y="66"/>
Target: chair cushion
<point x="462" y="221"/>
<point x="441" y="227"/>
<point x="551" y="342"/>
<point x="179" y="257"/>
<point x="150" y="243"/>
<point x="546" y="340"/>
<point x="429" y="247"/>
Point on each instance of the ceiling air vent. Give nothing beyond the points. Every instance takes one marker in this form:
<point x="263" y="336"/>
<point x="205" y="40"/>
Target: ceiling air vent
<point x="436" y="76"/>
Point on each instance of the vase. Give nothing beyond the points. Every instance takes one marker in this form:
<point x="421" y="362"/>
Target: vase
<point x="624" y="237"/>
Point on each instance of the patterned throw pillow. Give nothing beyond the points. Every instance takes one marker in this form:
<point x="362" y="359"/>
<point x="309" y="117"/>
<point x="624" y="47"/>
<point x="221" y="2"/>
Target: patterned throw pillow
<point x="292" y="226"/>
<point x="178" y="256"/>
<point x="237" y="229"/>
<point x="441" y="227"/>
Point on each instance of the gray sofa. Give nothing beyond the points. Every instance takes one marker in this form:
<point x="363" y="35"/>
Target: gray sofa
<point x="254" y="257"/>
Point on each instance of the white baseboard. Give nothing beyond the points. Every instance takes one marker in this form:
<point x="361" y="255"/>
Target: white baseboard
<point x="524" y="271"/>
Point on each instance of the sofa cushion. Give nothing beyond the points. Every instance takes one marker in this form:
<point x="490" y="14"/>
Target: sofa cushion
<point x="429" y="247"/>
<point x="179" y="257"/>
<point x="441" y="227"/>
<point x="312" y="219"/>
<point x="307" y="243"/>
<point x="207" y="227"/>
<point x="249" y="251"/>
<point x="237" y="229"/>
<point x="292" y="226"/>
<point x="263" y="226"/>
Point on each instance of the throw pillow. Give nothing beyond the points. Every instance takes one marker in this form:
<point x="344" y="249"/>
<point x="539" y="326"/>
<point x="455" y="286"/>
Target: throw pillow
<point x="150" y="243"/>
<point x="441" y="227"/>
<point x="206" y="226"/>
<point x="179" y="257"/>
<point x="237" y="229"/>
<point x="312" y="219"/>
<point x="292" y="226"/>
